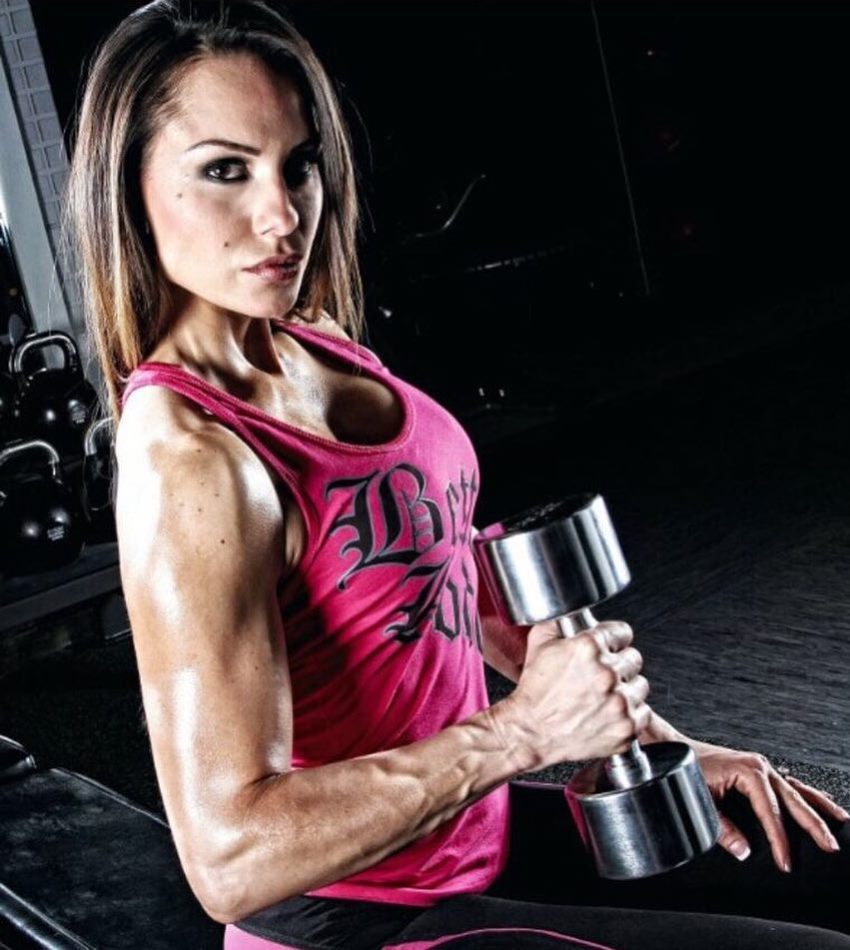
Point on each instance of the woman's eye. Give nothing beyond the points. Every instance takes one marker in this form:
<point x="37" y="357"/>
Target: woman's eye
<point x="218" y="171"/>
<point x="297" y="171"/>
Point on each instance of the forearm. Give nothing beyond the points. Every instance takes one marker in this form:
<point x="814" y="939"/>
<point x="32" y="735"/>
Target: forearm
<point x="307" y="828"/>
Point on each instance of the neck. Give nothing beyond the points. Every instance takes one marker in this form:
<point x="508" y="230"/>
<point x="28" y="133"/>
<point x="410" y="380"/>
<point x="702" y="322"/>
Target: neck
<point x="220" y="343"/>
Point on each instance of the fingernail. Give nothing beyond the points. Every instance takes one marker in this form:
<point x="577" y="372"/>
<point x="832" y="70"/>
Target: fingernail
<point x="786" y="867"/>
<point x="844" y="814"/>
<point x="833" y="843"/>
<point x="740" y="849"/>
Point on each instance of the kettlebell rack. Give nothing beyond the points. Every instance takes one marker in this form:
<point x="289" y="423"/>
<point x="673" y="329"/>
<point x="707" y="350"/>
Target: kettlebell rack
<point x="72" y="607"/>
<point x="51" y="599"/>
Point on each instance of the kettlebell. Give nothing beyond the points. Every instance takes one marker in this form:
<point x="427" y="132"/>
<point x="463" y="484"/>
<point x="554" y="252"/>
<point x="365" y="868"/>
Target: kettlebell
<point x="97" y="482"/>
<point x="41" y="522"/>
<point x="53" y="404"/>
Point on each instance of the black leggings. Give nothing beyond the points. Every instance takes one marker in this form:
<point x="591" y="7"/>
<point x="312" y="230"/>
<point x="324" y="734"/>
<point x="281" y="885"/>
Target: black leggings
<point x="549" y="896"/>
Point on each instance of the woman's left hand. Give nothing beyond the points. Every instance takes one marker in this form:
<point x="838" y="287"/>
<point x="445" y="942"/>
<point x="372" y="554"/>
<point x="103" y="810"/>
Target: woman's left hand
<point x="752" y="775"/>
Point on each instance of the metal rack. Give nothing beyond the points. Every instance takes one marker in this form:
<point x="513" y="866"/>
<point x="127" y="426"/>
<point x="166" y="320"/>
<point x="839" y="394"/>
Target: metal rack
<point x="81" y="603"/>
<point x="73" y="607"/>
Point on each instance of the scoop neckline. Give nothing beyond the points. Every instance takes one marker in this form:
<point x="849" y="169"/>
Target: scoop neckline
<point x="389" y="381"/>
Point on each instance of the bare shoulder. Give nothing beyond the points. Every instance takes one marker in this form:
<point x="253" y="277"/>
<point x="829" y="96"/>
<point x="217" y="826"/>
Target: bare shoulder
<point x="154" y="415"/>
<point x="160" y="424"/>
<point x="183" y="472"/>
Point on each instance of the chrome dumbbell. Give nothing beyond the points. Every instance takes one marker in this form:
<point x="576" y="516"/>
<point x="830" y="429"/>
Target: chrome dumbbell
<point x="647" y="810"/>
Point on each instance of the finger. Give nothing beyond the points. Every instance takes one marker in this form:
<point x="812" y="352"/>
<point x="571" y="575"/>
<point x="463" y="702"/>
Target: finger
<point x="635" y="693"/>
<point x="816" y="796"/>
<point x="545" y="630"/>
<point x="733" y="839"/>
<point x="642" y="717"/>
<point x="626" y="664"/>
<point x="795" y="781"/>
<point x="636" y="713"/>
<point x="805" y="816"/>
<point x="755" y="785"/>
<point x="635" y="690"/>
<point x="612" y="635"/>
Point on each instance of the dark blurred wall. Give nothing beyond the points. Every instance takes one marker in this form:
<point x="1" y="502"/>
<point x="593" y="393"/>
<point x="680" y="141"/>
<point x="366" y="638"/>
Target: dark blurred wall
<point x="634" y="173"/>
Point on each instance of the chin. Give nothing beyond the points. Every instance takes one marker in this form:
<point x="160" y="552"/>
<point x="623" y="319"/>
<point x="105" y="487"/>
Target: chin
<point x="270" y="309"/>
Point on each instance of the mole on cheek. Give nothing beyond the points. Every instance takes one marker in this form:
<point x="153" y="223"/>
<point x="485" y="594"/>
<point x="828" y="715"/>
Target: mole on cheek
<point x="227" y="243"/>
<point x="179" y="194"/>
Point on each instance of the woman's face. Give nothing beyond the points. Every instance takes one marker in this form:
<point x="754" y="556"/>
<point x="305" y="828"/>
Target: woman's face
<point x="217" y="209"/>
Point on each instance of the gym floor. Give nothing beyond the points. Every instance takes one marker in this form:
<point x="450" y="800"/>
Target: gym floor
<point x="730" y="490"/>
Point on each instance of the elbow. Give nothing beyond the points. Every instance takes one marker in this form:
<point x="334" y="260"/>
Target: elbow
<point x="221" y="918"/>
<point x="209" y="885"/>
<point x="231" y="868"/>
<point x="218" y="897"/>
<point x="230" y="892"/>
<point x="218" y="881"/>
<point x="232" y="911"/>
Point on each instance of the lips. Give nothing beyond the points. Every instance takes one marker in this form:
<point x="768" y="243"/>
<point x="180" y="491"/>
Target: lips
<point x="279" y="269"/>
<point x="278" y="262"/>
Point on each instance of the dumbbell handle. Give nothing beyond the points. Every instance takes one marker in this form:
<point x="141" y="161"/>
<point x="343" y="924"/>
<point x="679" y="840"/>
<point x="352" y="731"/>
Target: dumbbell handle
<point x="628" y="768"/>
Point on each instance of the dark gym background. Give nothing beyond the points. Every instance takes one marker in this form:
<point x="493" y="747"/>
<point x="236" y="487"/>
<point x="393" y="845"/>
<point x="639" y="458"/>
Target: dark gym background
<point x="613" y="240"/>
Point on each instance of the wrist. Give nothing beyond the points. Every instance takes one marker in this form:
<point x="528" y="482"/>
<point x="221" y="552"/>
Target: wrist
<point x="659" y="730"/>
<point x="514" y="734"/>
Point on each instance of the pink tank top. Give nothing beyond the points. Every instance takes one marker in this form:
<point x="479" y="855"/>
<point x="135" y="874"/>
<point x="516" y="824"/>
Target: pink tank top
<point x="382" y="630"/>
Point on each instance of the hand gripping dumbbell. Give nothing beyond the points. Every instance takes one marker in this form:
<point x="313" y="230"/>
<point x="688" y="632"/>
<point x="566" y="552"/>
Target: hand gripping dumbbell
<point x="641" y="812"/>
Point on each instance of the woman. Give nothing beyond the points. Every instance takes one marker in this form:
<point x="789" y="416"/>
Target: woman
<point x="294" y="525"/>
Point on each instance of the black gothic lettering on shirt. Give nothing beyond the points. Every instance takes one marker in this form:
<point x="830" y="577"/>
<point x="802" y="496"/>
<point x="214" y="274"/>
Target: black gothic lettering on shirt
<point x="460" y="620"/>
<point x="466" y="499"/>
<point x="418" y="610"/>
<point x="396" y="527"/>
<point x="427" y="524"/>
<point x="363" y="539"/>
<point x="440" y="623"/>
<point x="395" y="522"/>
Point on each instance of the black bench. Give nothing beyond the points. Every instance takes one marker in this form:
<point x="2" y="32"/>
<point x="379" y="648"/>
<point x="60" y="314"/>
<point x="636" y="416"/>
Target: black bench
<point x="84" y="867"/>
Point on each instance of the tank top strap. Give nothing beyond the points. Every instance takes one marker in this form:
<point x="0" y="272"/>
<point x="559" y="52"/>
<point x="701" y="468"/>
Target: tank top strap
<point x="349" y="351"/>
<point x="179" y="381"/>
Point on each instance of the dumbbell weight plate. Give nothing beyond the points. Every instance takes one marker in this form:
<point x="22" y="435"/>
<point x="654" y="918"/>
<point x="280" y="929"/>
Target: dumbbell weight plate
<point x="552" y="560"/>
<point x="651" y="827"/>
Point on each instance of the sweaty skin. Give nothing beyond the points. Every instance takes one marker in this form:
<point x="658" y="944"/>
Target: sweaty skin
<point x="206" y="536"/>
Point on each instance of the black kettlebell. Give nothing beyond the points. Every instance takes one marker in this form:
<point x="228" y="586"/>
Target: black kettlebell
<point x="97" y="482"/>
<point x="53" y="404"/>
<point x="41" y="522"/>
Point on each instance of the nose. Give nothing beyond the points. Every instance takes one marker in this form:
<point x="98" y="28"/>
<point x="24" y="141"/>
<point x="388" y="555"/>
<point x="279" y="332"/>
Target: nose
<point x="275" y="209"/>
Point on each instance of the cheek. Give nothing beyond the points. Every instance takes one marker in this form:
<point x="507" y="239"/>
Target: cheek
<point x="310" y="206"/>
<point x="187" y="223"/>
<point x="193" y="210"/>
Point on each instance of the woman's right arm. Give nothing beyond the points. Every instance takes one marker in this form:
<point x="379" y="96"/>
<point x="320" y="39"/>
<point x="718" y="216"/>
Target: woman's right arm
<point x="201" y="543"/>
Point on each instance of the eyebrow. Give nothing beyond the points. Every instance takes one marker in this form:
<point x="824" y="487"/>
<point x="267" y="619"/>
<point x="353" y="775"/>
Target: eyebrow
<point x="250" y="149"/>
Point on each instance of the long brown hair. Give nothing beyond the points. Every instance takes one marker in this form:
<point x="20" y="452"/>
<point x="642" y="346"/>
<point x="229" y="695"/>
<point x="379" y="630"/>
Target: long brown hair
<point x="130" y="92"/>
